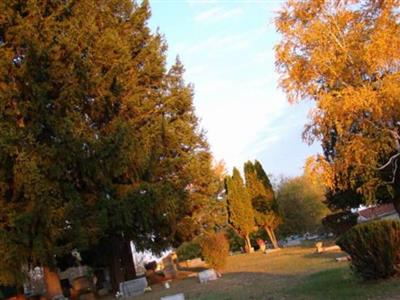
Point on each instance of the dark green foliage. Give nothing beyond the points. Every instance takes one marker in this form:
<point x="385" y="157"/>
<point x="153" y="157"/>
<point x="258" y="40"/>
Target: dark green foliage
<point x="343" y="200"/>
<point x="301" y="203"/>
<point x="374" y="248"/>
<point x="340" y="222"/>
<point x="188" y="250"/>
<point x="97" y="138"/>
<point x="236" y="243"/>
<point x="240" y="210"/>
<point x="215" y="250"/>
<point x="62" y="135"/>
<point x="259" y="187"/>
<point x="263" y="200"/>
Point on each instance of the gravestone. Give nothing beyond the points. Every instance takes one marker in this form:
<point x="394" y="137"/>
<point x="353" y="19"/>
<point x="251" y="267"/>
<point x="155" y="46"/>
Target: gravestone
<point x="319" y="247"/>
<point x="174" y="297"/>
<point x="133" y="287"/>
<point x="192" y="263"/>
<point x="207" y="275"/>
<point x="272" y="250"/>
<point x="170" y="269"/>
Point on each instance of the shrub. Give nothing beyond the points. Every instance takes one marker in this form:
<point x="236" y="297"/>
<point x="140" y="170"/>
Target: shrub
<point x="374" y="248"/>
<point x="188" y="250"/>
<point x="151" y="266"/>
<point x="215" y="250"/>
<point x="236" y="243"/>
<point x="340" y="222"/>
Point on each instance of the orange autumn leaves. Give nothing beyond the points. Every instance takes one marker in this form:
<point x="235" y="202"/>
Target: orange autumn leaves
<point x="344" y="55"/>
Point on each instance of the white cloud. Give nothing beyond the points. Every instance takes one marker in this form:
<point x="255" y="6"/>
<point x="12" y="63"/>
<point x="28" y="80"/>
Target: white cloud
<point x="197" y="2"/>
<point x="238" y="118"/>
<point x="265" y="56"/>
<point x="222" y="42"/>
<point x="236" y="96"/>
<point x="217" y="14"/>
<point x="216" y="44"/>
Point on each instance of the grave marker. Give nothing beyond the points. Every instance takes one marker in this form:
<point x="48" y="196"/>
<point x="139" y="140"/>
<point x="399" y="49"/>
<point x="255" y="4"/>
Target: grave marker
<point x="133" y="287"/>
<point x="174" y="297"/>
<point x="207" y="275"/>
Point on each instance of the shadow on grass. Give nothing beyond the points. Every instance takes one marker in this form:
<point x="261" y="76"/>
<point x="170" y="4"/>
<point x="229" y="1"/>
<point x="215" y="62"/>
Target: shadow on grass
<point x="330" y="255"/>
<point x="341" y="283"/>
<point x="232" y="286"/>
<point x="338" y="283"/>
<point x="193" y="269"/>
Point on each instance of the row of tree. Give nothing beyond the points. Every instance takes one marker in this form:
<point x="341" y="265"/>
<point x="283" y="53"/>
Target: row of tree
<point x="251" y="204"/>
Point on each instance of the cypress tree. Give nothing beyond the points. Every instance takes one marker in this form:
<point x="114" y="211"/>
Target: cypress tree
<point x="262" y="198"/>
<point x="240" y="211"/>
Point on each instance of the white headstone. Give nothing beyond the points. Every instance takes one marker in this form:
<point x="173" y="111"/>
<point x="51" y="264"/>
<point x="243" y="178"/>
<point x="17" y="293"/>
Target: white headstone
<point x="207" y="275"/>
<point x="174" y="297"/>
<point x="133" y="287"/>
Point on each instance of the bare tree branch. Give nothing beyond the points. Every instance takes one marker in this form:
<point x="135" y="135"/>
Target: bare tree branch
<point x="390" y="161"/>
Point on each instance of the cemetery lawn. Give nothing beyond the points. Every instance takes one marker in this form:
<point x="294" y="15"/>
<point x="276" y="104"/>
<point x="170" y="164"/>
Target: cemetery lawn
<point x="292" y="273"/>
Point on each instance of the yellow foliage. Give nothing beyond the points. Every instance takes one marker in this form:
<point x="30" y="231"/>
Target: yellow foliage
<point x="344" y="55"/>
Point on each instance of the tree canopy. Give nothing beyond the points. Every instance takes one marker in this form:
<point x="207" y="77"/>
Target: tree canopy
<point x="344" y="56"/>
<point x="262" y="198"/>
<point x="301" y="203"/>
<point x="239" y="207"/>
<point x="98" y="139"/>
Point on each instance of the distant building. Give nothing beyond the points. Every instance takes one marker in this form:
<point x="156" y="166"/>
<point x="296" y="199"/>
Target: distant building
<point x="379" y="212"/>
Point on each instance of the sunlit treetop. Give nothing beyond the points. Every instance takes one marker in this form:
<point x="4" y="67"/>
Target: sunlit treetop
<point x="344" y="55"/>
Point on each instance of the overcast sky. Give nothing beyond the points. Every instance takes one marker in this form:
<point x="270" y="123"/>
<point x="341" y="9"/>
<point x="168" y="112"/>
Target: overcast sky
<point x="227" y="49"/>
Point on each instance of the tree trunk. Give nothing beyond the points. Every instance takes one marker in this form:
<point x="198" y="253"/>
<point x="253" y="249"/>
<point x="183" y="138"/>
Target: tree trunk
<point x="247" y="244"/>
<point x="396" y="198"/>
<point x="396" y="204"/>
<point x="121" y="263"/>
<point x="127" y="260"/>
<point x="52" y="283"/>
<point x="271" y="236"/>
<point x="276" y="245"/>
<point x="20" y="294"/>
<point x="20" y="297"/>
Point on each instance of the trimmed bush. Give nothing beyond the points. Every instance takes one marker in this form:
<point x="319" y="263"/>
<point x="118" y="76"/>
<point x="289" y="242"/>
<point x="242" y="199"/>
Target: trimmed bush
<point x="374" y="248"/>
<point x="340" y="222"/>
<point x="215" y="250"/>
<point x="188" y="250"/>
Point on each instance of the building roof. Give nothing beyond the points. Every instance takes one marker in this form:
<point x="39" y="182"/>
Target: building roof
<point x="377" y="211"/>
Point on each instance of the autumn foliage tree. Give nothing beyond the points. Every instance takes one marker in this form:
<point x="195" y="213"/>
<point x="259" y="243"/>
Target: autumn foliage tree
<point x="239" y="207"/>
<point x="262" y="198"/>
<point x="344" y="56"/>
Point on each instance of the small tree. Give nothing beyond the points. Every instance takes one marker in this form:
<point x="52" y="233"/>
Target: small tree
<point x="302" y="205"/>
<point x="262" y="199"/>
<point x="240" y="210"/>
<point x="215" y="250"/>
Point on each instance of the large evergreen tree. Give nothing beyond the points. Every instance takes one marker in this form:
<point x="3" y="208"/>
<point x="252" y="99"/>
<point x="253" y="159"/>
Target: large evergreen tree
<point x="240" y="210"/>
<point x="64" y="76"/>
<point x="262" y="198"/>
<point x="99" y="142"/>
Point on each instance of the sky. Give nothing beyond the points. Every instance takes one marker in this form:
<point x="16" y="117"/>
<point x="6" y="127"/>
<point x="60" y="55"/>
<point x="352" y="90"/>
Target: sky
<point x="227" y="50"/>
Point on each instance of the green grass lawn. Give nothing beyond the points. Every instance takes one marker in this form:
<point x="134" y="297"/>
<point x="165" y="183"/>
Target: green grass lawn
<point x="292" y="273"/>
